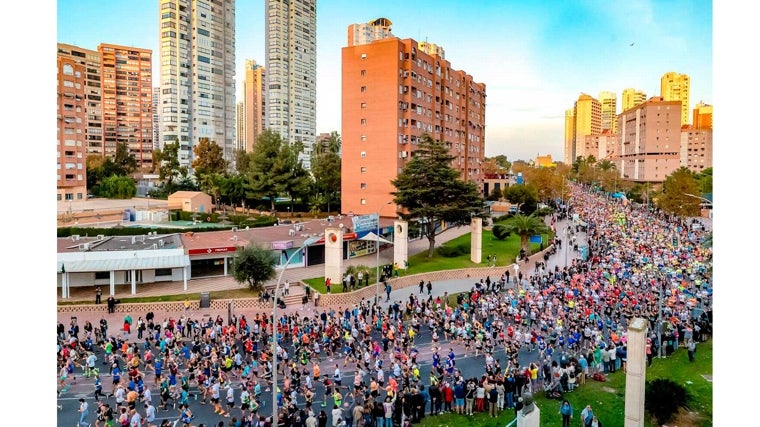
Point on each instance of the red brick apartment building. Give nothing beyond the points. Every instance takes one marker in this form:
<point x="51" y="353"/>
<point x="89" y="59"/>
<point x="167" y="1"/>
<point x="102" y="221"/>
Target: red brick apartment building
<point x="393" y="92"/>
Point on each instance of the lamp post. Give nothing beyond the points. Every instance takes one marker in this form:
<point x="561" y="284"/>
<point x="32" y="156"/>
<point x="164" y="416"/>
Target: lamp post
<point x="377" y="253"/>
<point x="517" y="280"/>
<point x="568" y="232"/>
<point x="310" y="241"/>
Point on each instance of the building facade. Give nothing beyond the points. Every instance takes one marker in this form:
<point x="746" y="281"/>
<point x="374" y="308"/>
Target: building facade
<point x="71" y="130"/>
<point x="609" y="111"/>
<point x="392" y="94"/>
<point x="702" y="116"/>
<point x="569" y="136"/>
<point x="601" y="146"/>
<point x="632" y="97"/>
<point x="696" y="148"/>
<point x="588" y="121"/>
<point x="377" y="29"/>
<point x="675" y="87"/>
<point x="93" y="95"/>
<point x="197" y="75"/>
<point x="127" y="78"/>
<point x="156" y="123"/>
<point x="253" y="104"/>
<point x="291" y="72"/>
<point x="649" y="140"/>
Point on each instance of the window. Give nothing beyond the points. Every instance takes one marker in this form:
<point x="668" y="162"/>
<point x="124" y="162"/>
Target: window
<point x="363" y="169"/>
<point x="364" y="56"/>
<point x="364" y="138"/>
<point x="364" y="121"/>
<point x="364" y="105"/>
<point x="364" y="89"/>
<point x="364" y="201"/>
<point x="363" y="73"/>
<point x="100" y="275"/>
<point x="363" y="185"/>
<point x="364" y="154"/>
<point x="163" y="272"/>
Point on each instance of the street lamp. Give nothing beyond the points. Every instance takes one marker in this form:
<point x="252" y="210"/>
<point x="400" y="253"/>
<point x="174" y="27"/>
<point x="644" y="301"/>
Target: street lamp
<point x="377" y="253"/>
<point x="310" y="241"/>
<point x="568" y="232"/>
<point x="517" y="271"/>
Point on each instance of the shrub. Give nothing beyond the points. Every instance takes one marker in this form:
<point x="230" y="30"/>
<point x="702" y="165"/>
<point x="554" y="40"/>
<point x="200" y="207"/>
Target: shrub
<point x="663" y="397"/>
<point x="453" y="251"/>
<point x="500" y="231"/>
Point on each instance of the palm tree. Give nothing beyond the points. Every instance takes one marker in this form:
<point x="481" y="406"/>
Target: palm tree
<point x="526" y="226"/>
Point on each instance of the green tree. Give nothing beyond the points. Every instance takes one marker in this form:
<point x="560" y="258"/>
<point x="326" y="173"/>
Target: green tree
<point x="325" y="167"/>
<point x="118" y="187"/>
<point x="209" y="159"/>
<point x="253" y="265"/>
<point x="213" y="183"/>
<point x="242" y="161"/>
<point x="500" y="231"/>
<point x="674" y="197"/>
<point x="169" y="168"/>
<point x="523" y="195"/>
<point x="663" y="397"/>
<point x="125" y="162"/>
<point x="431" y="191"/>
<point x="526" y="226"/>
<point x="274" y="169"/>
<point x="495" y="194"/>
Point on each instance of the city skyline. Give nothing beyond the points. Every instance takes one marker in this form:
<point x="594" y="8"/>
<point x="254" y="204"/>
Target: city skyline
<point x="548" y="55"/>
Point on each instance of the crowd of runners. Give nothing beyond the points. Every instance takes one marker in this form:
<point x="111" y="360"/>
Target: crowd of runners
<point x="571" y="321"/>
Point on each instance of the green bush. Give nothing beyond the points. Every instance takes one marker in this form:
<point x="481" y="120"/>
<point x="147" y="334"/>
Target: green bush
<point x="500" y="231"/>
<point x="543" y="211"/>
<point x="663" y="397"/>
<point x="453" y="251"/>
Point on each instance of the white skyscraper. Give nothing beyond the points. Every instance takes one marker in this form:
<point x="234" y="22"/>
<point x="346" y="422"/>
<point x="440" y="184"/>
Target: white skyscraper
<point x="291" y="72"/>
<point x="197" y="74"/>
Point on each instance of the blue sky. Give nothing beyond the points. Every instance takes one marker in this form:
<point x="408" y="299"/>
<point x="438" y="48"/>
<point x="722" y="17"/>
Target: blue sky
<point x="534" y="57"/>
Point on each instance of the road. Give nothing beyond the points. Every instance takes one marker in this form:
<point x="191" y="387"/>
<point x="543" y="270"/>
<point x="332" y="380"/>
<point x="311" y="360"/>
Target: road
<point x="469" y="365"/>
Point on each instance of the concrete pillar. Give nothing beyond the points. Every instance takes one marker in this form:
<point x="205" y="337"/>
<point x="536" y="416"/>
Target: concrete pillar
<point x="635" y="377"/>
<point x="476" y="240"/>
<point x="184" y="278"/>
<point x="226" y="261"/>
<point x="334" y="255"/>
<point x="64" y="291"/>
<point x="112" y="281"/>
<point x="133" y="275"/>
<point x="400" y="243"/>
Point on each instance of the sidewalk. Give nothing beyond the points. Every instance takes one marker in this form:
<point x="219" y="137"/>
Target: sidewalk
<point x="452" y="286"/>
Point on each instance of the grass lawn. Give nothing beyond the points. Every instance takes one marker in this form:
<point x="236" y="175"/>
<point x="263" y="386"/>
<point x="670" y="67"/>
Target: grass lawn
<point x="506" y="252"/>
<point x="608" y="398"/>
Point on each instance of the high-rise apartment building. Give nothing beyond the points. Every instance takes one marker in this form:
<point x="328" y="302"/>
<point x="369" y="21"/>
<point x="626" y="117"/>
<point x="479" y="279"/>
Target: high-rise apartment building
<point x="377" y="29"/>
<point x="632" y="97"/>
<point x="702" y="118"/>
<point x="240" y="125"/>
<point x="392" y="94"/>
<point x="601" y="146"/>
<point x="609" y="111"/>
<point x="675" y="87"/>
<point x="93" y="120"/>
<point x="197" y="74"/>
<point x="696" y="148"/>
<point x="649" y="140"/>
<point x="253" y="105"/>
<point x="71" y="129"/>
<point x="291" y="72"/>
<point x="569" y="135"/>
<point x="127" y="78"/>
<point x="156" y="93"/>
<point x="588" y="121"/>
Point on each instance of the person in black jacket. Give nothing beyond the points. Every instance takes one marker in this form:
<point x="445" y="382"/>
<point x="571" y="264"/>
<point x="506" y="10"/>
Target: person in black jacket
<point x="435" y="400"/>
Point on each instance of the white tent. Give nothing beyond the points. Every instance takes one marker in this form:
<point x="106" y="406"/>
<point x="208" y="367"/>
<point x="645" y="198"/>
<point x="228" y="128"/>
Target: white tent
<point x="372" y="237"/>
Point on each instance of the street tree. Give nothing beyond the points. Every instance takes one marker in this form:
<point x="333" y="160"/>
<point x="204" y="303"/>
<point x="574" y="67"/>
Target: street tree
<point x="209" y="159"/>
<point x="674" y="197"/>
<point x="325" y="167"/>
<point x="525" y="196"/>
<point x="169" y="167"/>
<point x="125" y="162"/>
<point x="253" y="265"/>
<point x="429" y="190"/>
<point x="118" y="187"/>
<point x="526" y="226"/>
<point x="274" y="168"/>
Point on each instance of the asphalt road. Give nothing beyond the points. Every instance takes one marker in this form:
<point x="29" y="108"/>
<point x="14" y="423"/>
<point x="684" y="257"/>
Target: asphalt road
<point x="469" y="365"/>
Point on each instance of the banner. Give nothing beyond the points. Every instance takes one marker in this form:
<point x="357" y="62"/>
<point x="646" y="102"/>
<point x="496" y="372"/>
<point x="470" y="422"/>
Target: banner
<point x="357" y="248"/>
<point x="365" y="223"/>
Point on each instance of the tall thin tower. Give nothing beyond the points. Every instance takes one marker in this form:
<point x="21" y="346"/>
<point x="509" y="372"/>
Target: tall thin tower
<point x="291" y="72"/>
<point x="197" y="75"/>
